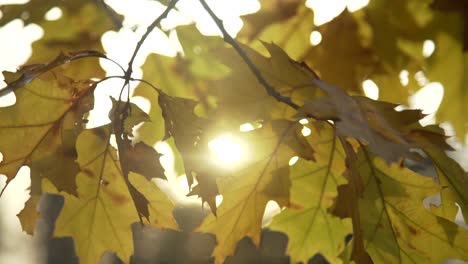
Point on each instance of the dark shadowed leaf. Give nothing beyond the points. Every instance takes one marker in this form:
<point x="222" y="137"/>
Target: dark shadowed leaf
<point x="389" y="133"/>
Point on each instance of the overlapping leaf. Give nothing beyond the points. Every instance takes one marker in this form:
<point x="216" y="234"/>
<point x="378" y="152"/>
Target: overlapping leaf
<point x="396" y="226"/>
<point x="310" y="227"/>
<point x="133" y="115"/>
<point x="454" y="181"/>
<point x="448" y="38"/>
<point x="164" y="73"/>
<point x="285" y="23"/>
<point x="84" y="21"/>
<point x="138" y="158"/>
<point x="264" y="177"/>
<point x="342" y="41"/>
<point x="104" y="195"/>
<point x="184" y="76"/>
<point x="389" y="133"/>
<point x="191" y="134"/>
<point x="398" y="31"/>
<point x="242" y="98"/>
<point x="186" y="128"/>
<point x="99" y="218"/>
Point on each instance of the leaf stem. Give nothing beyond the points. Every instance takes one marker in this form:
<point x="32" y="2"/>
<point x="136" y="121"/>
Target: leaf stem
<point x="253" y="68"/>
<point x="150" y="29"/>
<point x="131" y="79"/>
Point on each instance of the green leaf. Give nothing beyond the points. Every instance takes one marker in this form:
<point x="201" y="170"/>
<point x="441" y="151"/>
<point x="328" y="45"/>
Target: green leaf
<point x="310" y="227"/>
<point x="184" y="76"/>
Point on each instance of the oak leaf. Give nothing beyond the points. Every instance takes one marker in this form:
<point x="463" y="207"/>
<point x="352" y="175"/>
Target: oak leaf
<point x="99" y="218"/>
<point x="310" y="227"/>
<point x="389" y="133"/>
<point x="40" y="130"/>
<point x="396" y="226"/>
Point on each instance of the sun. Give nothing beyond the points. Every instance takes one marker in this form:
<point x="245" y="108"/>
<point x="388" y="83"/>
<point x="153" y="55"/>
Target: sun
<point x="227" y="151"/>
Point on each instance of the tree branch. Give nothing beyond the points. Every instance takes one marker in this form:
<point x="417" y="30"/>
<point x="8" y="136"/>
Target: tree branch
<point x="255" y="70"/>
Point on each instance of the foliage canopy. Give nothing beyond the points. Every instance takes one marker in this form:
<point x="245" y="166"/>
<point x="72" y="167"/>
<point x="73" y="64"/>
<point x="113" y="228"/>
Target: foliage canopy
<point x="351" y="176"/>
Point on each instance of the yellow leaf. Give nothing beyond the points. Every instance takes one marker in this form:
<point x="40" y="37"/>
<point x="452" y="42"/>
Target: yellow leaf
<point x="99" y="219"/>
<point x="396" y="226"/>
<point x="265" y="177"/>
<point x="241" y="98"/>
<point x="79" y="28"/>
<point x="288" y="24"/>
<point x="40" y="130"/>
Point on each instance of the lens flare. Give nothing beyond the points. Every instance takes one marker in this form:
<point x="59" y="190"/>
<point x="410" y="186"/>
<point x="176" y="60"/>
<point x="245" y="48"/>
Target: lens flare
<point x="226" y="150"/>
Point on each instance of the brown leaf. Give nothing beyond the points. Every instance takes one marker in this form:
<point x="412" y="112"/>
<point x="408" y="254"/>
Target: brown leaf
<point x="185" y="127"/>
<point x="389" y="133"/>
<point x="206" y="189"/>
<point x="143" y="160"/>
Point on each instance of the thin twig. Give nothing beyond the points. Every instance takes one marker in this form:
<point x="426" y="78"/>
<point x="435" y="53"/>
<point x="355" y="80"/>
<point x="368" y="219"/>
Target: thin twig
<point x="122" y="113"/>
<point x="131" y="79"/>
<point x="148" y="31"/>
<point x="156" y="22"/>
<point x="255" y="70"/>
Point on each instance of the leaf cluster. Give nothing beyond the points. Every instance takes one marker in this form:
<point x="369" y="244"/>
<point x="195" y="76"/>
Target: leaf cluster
<point x="351" y="178"/>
